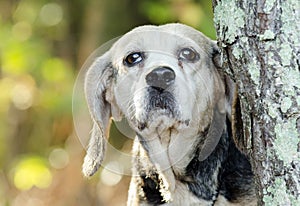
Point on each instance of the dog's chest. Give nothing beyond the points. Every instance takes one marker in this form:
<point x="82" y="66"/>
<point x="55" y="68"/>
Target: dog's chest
<point x="172" y="144"/>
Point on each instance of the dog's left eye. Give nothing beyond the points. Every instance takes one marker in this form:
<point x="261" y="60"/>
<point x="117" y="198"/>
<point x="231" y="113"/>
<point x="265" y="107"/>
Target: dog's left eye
<point x="188" y="54"/>
<point x="133" y="59"/>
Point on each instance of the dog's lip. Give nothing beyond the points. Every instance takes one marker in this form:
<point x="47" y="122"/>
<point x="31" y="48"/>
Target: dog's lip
<point x="141" y="125"/>
<point x="154" y="115"/>
<point x="161" y="105"/>
<point x="160" y="99"/>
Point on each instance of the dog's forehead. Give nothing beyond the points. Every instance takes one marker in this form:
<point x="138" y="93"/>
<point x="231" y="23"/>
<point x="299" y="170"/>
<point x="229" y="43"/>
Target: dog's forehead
<point x="166" y="37"/>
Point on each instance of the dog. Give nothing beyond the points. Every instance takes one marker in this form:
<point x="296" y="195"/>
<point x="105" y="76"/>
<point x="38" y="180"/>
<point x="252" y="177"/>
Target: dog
<point x="167" y="82"/>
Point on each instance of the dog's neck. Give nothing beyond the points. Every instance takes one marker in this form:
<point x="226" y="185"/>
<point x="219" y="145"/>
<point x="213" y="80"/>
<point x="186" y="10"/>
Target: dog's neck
<point x="201" y="177"/>
<point x="163" y="146"/>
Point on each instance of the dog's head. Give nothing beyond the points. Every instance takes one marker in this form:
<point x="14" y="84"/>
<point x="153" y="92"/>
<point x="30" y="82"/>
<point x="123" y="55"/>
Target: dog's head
<point x="162" y="79"/>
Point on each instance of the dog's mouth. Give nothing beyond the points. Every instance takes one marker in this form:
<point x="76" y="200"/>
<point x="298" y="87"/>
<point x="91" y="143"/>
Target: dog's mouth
<point x="161" y="100"/>
<point x="161" y="106"/>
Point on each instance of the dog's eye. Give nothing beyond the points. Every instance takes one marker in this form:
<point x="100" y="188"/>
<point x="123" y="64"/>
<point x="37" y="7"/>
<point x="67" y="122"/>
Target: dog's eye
<point x="188" y="54"/>
<point x="133" y="59"/>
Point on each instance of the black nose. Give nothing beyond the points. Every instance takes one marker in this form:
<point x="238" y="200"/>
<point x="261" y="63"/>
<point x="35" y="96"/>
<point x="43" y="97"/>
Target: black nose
<point x="161" y="77"/>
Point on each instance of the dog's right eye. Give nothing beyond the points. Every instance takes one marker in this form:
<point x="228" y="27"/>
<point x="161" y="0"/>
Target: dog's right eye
<point x="133" y="59"/>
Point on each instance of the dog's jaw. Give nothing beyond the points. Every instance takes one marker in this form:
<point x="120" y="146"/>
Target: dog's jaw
<point x="157" y="111"/>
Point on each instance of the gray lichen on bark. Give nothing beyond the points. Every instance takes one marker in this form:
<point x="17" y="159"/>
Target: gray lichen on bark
<point x="260" y="42"/>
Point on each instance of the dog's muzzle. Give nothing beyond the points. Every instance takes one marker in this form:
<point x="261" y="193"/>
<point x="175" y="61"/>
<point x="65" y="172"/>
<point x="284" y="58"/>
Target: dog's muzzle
<point x="159" y="80"/>
<point x="160" y="100"/>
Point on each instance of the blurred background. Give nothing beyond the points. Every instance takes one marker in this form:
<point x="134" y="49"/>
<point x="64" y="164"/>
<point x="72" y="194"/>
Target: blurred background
<point x="43" y="45"/>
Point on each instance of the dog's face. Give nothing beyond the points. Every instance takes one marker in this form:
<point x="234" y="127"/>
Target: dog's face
<point x="164" y="81"/>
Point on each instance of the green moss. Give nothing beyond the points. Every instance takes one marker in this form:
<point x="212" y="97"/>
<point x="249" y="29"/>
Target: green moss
<point x="298" y="100"/>
<point x="269" y="4"/>
<point x="277" y="194"/>
<point x="272" y="111"/>
<point x="230" y="18"/>
<point x="286" y="142"/>
<point x="290" y="80"/>
<point x="268" y="35"/>
<point x="244" y="39"/>
<point x="271" y="59"/>
<point x="290" y="20"/>
<point x="286" y="104"/>
<point x="254" y="71"/>
<point x="237" y="52"/>
<point x="286" y="53"/>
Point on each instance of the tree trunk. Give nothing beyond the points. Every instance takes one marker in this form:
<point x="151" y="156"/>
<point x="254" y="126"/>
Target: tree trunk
<point x="260" y="43"/>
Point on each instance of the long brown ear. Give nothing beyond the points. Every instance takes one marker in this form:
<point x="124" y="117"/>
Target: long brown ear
<point x="234" y="114"/>
<point x="233" y="107"/>
<point x="97" y="83"/>
<point x="237" y="124"/>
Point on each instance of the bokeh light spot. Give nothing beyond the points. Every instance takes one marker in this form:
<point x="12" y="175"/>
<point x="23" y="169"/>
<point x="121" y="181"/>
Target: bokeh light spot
<point x="54" y="70"/>
<point x="32" y="171"/>
<point x="22" y="30"/>
<point x="110" y="178"/>
<point x="51" y="14"/>
<point x="14" y="61"/>
<point x="22" y="96"/>
<point x="58" y="158"/>
<point x="25" y="11"/>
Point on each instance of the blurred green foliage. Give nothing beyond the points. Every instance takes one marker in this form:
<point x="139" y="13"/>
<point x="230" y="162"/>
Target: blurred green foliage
<point x="197" y="13"/>
<point x="43" y="44"/>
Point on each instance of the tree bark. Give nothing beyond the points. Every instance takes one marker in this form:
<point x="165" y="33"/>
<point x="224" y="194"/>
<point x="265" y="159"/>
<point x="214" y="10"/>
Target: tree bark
<point x="260" y="43"/>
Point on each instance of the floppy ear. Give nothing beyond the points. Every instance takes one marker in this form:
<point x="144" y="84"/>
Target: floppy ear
<point x="97" y="84"/>
<point x="233" y="107"/>
<point x="237" y="126"/>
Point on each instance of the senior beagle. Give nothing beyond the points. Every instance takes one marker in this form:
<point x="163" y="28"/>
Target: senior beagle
<point x="165" y="81"/>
